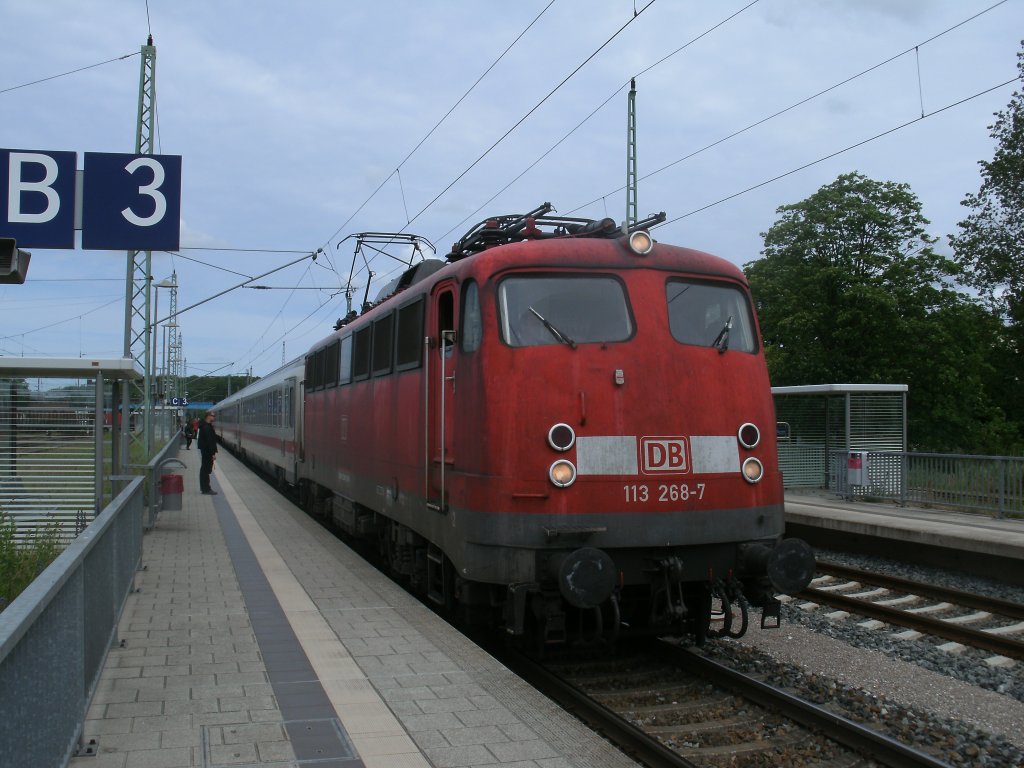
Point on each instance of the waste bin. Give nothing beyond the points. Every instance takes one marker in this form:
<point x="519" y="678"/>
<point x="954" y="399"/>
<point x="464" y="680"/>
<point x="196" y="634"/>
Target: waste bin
<point x="171" y="488"/>
<point x="857" y="468"/>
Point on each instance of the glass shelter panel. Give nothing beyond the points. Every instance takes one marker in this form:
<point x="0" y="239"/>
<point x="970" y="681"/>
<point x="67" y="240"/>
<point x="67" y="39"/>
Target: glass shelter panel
<point x="48" y="453"/>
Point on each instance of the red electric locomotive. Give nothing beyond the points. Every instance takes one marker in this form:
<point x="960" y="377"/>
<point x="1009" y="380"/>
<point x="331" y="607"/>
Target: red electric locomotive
<point x="562" y="428"/>
<point x="568" y="431"/>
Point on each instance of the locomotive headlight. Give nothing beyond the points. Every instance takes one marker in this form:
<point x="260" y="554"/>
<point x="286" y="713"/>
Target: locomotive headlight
<point x="749" y="435"/>
<point x="640" y="243"/>
<point x="753" y="470"/>
<point x="562" y="473"/>
<point x="561" y="437"/>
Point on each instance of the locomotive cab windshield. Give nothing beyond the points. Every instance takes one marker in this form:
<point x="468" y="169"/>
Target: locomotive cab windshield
<point x="707" y="315"/>
<point x="563" y="309"/>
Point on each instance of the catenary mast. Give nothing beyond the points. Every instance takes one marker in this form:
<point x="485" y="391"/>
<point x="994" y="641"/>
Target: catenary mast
<point x="138" y="323"/>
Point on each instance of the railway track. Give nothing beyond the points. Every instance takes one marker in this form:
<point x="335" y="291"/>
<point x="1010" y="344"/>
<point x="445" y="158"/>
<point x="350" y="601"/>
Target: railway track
<point x="922" y="608"/>
<point x="671" y="707"/>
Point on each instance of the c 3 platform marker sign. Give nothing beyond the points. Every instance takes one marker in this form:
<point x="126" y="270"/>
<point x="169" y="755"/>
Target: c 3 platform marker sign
<point x="124" y="202"/>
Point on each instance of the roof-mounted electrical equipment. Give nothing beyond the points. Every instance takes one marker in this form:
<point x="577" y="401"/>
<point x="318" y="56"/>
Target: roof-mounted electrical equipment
<point x="538" y="225"/>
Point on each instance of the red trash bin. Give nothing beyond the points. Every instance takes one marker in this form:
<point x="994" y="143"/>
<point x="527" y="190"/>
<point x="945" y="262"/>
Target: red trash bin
<point x="171" y="488"/>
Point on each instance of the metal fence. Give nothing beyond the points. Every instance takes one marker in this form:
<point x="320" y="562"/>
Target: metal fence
<point x="54" y="637"/>
<point x="990" y="484"/>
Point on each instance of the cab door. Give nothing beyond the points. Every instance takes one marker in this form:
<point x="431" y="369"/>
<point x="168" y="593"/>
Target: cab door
<point x="441" y="367"/>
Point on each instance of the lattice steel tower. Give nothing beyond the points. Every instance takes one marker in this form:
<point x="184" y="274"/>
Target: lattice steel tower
<point x="171" y="385"/>
<point x="138" y="323"/>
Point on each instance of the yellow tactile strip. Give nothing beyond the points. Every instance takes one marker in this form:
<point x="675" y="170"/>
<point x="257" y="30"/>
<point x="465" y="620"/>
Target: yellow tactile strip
<point x="377" y="735"/>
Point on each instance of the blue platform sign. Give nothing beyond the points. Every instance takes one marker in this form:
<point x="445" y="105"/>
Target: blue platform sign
<point x="37" y="198"/>
<point x="127" y="202"/>
<point x="131" y="202"/>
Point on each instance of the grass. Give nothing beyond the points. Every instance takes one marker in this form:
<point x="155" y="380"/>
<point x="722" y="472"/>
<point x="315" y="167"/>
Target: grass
<point x="21" y="562"/>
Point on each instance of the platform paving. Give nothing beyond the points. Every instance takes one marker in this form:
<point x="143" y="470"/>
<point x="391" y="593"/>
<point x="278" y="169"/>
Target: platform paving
<point x="257" y="638"/>
<point x="936" y="527"/>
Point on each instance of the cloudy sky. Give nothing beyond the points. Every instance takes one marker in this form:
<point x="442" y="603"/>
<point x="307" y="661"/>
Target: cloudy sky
<point x="302" y="123"/>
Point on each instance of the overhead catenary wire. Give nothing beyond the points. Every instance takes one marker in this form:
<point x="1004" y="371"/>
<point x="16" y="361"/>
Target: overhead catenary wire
<point x="841" y="151"/>
<point x="439" y="122"/>
<point x="597" y="109"/>
<point x="70" y="72"/>
<point x="791" y="107"/>
<point x="523" y="119"/>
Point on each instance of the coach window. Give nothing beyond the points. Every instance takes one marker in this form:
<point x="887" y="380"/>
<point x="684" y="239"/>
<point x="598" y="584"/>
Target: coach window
<point x="361" y="354"/>
<point x="331" y="365"/>
<point x="409" y="336"/>
<point x="472" y="325"/>
<point x="710" y="315"/>
<point x="383" y="344"/>
<point x="345" y="360"/>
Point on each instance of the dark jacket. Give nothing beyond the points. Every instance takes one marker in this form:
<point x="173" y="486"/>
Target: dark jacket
<point x="207" y="441"/>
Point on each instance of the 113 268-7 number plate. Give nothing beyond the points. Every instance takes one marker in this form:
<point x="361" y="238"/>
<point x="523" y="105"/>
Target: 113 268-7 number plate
<point x="664" y="492"/>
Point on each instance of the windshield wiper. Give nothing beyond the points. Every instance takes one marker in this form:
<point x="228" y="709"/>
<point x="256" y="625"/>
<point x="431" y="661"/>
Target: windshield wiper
<point x="722" y="339"/>
<point x="562" y="337"/>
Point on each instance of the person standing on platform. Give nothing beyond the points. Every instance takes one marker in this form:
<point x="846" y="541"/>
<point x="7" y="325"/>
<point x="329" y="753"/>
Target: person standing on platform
<point x="207" y="444"/>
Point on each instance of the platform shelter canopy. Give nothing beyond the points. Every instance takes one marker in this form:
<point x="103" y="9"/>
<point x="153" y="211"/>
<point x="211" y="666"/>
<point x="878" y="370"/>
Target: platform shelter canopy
<point x="819" y="424"/>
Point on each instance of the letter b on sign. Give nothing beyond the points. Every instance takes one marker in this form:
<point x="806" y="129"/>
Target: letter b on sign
<point x="37" y="197"/>
<point x="664" y="454"/>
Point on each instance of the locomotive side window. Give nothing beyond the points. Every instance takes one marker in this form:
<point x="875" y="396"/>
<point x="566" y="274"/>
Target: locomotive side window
<point x="321" y="373"/>
<point x="409" y="336"/>
<point x="472" y="324"/>
<point x="345" y="361"/>
<point x="361" y="354"/>
<point x="331" y="365"/>
<point x="571" y="309"/>
<point x="709" y="315"/>
<point x="315" y="370"/>
<point x="383" y="344"/>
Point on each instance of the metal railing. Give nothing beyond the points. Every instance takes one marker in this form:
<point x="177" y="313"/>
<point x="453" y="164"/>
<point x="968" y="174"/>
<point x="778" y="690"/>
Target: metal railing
<point x="990" y="484"/>
<point x="55" y="635"/>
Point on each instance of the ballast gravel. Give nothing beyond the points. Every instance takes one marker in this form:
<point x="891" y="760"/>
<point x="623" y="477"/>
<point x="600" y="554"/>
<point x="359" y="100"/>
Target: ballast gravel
<point x="955" y="706"/>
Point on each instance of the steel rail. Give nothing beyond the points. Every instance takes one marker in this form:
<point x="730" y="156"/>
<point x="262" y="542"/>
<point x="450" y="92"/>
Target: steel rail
<point x="976" y="638"/>
<point x="857" y="737"/>
<point x="628" y="738"/>
<point x="978" y="602"/>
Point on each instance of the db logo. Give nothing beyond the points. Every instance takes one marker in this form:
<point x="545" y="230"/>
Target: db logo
<point x="663" y="454"/>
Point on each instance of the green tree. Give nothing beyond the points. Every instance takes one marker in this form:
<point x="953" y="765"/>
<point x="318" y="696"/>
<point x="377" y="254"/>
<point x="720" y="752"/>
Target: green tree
<point x="990" y="243"/>
<point x="850" y="290"/>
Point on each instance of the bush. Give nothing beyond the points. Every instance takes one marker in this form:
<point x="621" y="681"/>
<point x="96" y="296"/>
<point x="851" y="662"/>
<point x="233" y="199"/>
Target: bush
<point x="20" y="563"/>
